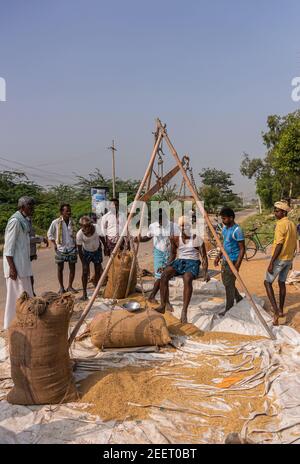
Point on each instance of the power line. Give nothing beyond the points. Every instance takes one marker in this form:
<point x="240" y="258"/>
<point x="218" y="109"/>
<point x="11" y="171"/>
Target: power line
<point x="34" y="175"/>
<point x="37" y="169"/>
<point x="61" y="161"/>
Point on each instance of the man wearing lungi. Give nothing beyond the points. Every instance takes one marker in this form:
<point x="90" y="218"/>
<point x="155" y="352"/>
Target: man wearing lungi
<point x="16" y="257"/>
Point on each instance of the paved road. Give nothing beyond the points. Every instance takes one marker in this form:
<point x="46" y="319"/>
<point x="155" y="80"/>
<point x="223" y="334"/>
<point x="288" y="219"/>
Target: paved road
<point x="45" y="269"/>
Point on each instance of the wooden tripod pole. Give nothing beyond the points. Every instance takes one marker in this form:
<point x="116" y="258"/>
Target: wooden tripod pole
<point x="119" y="242"/>
<point x="136" y="249"/>
<point x="215" y="235"/>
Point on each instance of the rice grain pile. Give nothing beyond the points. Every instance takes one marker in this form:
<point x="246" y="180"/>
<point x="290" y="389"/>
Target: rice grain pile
<point x="111" y="392"/>
<point x="188" y="391"/>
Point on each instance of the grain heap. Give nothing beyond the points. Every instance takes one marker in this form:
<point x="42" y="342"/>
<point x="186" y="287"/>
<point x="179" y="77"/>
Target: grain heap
<point x="189" y="387"/>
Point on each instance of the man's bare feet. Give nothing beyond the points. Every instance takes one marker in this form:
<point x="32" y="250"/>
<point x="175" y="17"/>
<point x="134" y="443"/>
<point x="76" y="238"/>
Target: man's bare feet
<point x="84" y="297"/>
<point x="222" y="314"/>
<point x="61" y="291"/>
<point x="169" y="307"/>
<point x="72" y="290"/>
<point x="276" y="319"/>
<point x="160" y="309"/>
<point x="183" y="319"/>
<point x="152" y="300"/>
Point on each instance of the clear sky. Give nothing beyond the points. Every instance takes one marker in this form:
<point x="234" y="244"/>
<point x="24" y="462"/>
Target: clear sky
<point x="82" y="72"/>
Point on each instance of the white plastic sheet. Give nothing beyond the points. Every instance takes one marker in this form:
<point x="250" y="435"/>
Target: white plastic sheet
<point x="279" y="374"/>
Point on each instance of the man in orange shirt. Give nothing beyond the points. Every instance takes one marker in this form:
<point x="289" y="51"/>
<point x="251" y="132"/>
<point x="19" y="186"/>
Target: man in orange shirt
<point x="284" y="247"/>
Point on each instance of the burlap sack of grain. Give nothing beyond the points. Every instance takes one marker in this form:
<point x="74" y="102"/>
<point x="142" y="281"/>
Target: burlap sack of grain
<point x="118" y="276"/>
<point x="39" y="352"/>
<point x="123" y="329"/>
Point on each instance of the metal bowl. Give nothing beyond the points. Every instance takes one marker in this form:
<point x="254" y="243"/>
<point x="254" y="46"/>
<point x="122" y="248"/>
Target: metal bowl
<point x="132" y="306"/>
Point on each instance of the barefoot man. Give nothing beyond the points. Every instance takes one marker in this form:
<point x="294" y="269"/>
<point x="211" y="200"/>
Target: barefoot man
<point x="284" y="247"/>
<point x="90" y="251"/>
<point x="161" y="232"/>
<point x="234" y="245"/>
<point x="16" y="257"/>
<point x="62" y="234"/>
<point x="189" y="247"/>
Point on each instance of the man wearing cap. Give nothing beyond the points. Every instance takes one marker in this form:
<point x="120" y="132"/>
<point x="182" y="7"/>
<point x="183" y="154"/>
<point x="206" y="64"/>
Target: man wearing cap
<point x="284" y="247"/>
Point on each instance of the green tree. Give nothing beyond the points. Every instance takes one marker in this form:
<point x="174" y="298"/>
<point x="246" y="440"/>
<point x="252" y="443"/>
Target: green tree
<point x="216" y="190"/>
<point x="94" y="179"/>
<point x="63" y="194"/>
<point x="277" y="175"/>
<point x="14" y="184"/>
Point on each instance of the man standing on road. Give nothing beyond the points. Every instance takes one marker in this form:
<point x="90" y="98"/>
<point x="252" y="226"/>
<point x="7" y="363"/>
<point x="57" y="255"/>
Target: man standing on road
<point x="284" y="247"/>
<point x="112" y="225"/>
<point x="234" y="245"/>
<point x="90" y="251"/>
<point x="62" y="235"/>
<point x="16" y="257"/>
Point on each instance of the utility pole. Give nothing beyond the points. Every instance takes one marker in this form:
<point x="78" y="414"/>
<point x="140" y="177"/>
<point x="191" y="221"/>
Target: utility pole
<point x="259" y="204"/>
<point x="113" y="149"/>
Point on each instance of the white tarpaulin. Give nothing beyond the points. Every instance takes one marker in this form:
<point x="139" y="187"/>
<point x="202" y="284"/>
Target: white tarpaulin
<point x="273" y="367"/>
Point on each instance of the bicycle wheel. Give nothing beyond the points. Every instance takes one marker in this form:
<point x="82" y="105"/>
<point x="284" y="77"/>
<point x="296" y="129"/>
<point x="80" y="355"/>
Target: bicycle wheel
<point x="251" y="249"/>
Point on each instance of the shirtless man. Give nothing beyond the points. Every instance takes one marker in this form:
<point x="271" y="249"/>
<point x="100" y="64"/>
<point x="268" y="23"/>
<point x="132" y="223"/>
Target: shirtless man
<point x="188" y="247"/>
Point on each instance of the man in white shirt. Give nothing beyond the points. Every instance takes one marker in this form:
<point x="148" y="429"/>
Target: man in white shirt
<point x="161" y="232"/>
<point x="90" y="251"/>
<point x="112" y="225"/>
<point x="62" y="234"/>
<point x="16" y="257"/>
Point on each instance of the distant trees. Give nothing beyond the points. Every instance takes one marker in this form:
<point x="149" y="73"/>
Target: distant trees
<point x="277" y="175"/>
<point x="14" y="184"/>
<point x="216" y="190"/>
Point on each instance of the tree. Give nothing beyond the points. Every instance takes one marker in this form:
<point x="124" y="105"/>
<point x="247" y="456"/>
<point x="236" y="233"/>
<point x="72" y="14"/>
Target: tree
<point x="169" y="194"/>
<point x="216" y="190"/>
<point x="84" y="185"/>
<point x="268" y="186"/>
<point x="14" y="184"/>
<point x="95" y="179"/>
<point x="277" y="175"/>
<point x="63" y="193"/>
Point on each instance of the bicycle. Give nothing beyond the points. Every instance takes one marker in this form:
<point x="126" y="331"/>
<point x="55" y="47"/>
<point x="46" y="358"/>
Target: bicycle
<point x="253" y="244"/>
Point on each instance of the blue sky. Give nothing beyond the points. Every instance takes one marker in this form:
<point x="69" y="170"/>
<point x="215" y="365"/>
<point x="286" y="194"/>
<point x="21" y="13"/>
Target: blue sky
<point x="80" y="73"/>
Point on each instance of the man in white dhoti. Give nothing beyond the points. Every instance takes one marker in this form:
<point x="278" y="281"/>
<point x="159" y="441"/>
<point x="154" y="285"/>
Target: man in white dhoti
<point x="16" y="257"/>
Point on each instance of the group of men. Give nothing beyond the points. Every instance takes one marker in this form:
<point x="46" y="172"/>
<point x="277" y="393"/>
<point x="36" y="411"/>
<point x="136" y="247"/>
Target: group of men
<point x="177" y="251"/>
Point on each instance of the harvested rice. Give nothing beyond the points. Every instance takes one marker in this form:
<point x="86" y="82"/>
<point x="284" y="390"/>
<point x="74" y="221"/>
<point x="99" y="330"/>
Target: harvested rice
<point x="201" y="389"/>
<point x="110" y="394"/>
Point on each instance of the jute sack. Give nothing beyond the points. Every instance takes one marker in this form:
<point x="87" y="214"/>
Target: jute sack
<point x="118" y="276"/>
<point x="120" y="328"/>
<point x="39" y="352"/>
